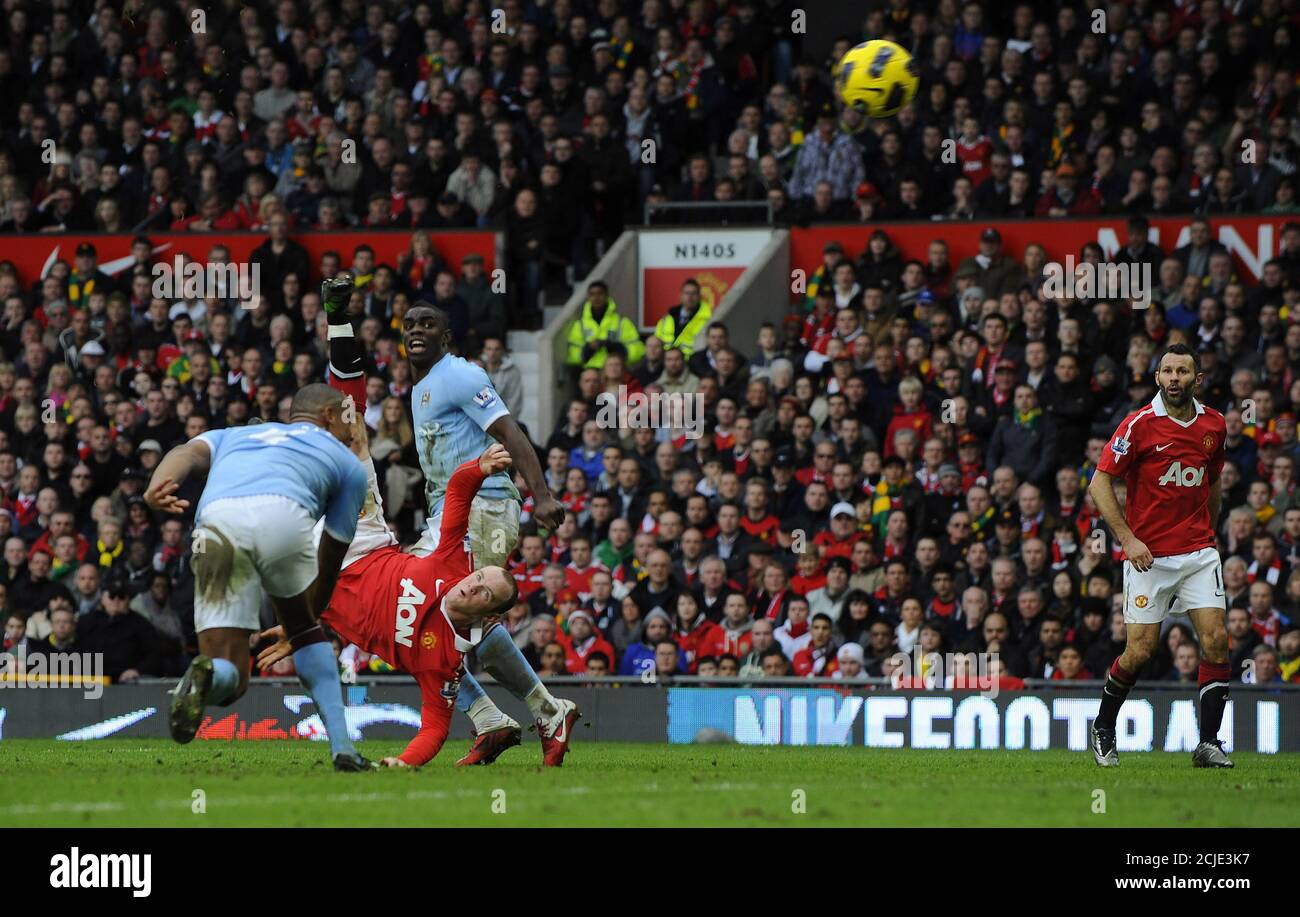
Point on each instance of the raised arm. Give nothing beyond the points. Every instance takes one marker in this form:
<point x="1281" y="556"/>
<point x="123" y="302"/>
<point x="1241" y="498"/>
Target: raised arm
<point x="461" y="489"/>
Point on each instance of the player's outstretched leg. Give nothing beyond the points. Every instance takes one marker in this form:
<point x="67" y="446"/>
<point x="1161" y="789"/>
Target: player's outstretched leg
<point x="318" y="670"/>
<point x="212" y="679"/>
<point x="494" y="732"/>
<point x="554" y="717"/>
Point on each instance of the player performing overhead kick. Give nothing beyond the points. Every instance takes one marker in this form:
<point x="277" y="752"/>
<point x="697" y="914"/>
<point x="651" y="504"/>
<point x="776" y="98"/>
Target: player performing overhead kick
<point x="457" y="414"/>
<point x="267" y="486"/>
<point x="419" y="614"/>
<point x="1169" y="454"/>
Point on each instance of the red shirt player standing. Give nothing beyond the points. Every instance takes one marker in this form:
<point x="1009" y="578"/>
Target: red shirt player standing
<point x="1169" y="455"/>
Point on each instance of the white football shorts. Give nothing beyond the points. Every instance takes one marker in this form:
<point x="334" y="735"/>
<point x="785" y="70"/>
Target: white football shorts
<point x="493" y="532"/>
<point x="270" y="548"/>
<point x="1174" y="585"/>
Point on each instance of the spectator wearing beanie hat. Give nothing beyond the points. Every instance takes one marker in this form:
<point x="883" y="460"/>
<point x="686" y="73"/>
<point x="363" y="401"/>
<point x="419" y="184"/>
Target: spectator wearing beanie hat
<point x="581" y="641"/>
<point x="851" y="663"/>
<point x="640" y="656"/>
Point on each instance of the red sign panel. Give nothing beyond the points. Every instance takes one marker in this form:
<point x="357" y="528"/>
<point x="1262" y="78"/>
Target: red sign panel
<point x="32" y="254"/>
<point x="1252" y="240"/>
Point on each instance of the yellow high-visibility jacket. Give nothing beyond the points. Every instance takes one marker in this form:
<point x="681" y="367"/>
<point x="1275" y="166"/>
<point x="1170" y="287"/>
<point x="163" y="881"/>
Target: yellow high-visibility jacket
<point x="586" y="329"/>
<point x="683" y="338"/>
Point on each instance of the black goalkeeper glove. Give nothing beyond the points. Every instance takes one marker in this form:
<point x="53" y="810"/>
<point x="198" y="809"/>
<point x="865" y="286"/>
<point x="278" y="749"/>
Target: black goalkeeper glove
<point x="336" y="294"/>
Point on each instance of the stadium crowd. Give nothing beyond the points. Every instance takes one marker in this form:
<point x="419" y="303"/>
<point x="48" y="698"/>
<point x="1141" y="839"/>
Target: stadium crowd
<point x="901" y="464"/>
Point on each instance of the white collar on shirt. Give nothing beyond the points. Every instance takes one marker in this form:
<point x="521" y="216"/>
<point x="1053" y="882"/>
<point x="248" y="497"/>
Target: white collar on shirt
<point x="462" y="645"/>
<point x="1158" y="404"/>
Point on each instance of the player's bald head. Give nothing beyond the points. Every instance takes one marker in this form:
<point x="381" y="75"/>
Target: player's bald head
<point x="312" y="400"/>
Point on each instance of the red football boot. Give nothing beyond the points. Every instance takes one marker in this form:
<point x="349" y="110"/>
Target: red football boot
<point x="489" y="746"/>
<point x="556" y="745"/>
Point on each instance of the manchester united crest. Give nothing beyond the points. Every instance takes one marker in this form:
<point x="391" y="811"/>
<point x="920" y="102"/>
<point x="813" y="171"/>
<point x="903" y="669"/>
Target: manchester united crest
<point x="1141" y="601"/>
<point x="1208" y="442"/>
<point x="428" y="640"/>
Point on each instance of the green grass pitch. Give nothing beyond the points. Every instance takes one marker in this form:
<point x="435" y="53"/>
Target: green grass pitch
<point x="143" y="782"/>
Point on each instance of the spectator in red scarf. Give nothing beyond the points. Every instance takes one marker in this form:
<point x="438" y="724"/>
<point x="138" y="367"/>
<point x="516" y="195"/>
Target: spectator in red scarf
<point x="695" y="634"/>
<point x="818" y="657"/>
<point x="737" y="626"/>
<point x="581" y="641"/>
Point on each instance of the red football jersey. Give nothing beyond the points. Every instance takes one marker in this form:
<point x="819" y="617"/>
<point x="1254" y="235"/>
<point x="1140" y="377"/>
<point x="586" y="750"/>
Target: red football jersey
<point x="1168" y="467"/>
<point x="528" y="578"/>
<point x="764" y="529"/>
<point x="390" y="604"/>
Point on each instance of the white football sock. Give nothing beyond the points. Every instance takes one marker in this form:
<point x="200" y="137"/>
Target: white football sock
<point x="487" y="716"/>
<point x="541" y="704"/>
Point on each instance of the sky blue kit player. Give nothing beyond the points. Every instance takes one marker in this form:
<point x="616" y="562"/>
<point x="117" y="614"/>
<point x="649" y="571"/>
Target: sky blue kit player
<point x="452" y="407"/>
<point x="267" y="487"/>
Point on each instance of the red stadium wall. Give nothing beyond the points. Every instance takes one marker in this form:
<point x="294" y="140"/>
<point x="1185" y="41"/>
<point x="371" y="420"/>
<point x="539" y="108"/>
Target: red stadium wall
<point x="1252" y="240"/>
<point x="32" y="253"/>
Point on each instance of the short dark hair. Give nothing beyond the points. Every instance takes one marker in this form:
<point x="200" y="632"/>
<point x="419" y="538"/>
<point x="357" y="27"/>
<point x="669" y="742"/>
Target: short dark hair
<point x="314" y="398"/>
<point x="1182" y="350"/>
<point x="509" y="602"/>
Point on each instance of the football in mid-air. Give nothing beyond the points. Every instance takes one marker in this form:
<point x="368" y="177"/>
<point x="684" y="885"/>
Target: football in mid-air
<point x="878" y="78"/>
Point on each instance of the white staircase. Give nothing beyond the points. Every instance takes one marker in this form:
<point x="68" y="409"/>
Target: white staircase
<point x="523" y="350"/>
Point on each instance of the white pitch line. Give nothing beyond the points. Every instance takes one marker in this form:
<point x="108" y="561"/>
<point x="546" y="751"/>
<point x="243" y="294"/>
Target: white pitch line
<point x="62" y="808"/>
<point x="216" y="801"/>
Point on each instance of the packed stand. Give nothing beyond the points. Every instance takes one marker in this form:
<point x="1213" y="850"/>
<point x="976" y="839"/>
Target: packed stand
<point x="901" y="464"/>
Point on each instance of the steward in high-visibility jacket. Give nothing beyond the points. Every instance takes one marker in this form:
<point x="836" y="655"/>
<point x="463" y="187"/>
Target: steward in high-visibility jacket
<point x="598" y="324"/>
<point x="676" y="330"/>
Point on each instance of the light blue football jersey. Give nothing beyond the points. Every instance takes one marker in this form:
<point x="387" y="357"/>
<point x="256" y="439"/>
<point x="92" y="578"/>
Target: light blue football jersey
<point x="452" y="406"/>
<point x="300" y="461"/>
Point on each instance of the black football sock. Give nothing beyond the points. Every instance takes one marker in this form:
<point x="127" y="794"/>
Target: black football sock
<point x="1214" y="697"/>
<point x="1118" y="683"/>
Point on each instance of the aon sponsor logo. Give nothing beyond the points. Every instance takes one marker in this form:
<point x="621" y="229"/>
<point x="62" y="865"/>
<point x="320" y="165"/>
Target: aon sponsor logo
<point x="408" y="604"/>
<point x="1180" y="475"/>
